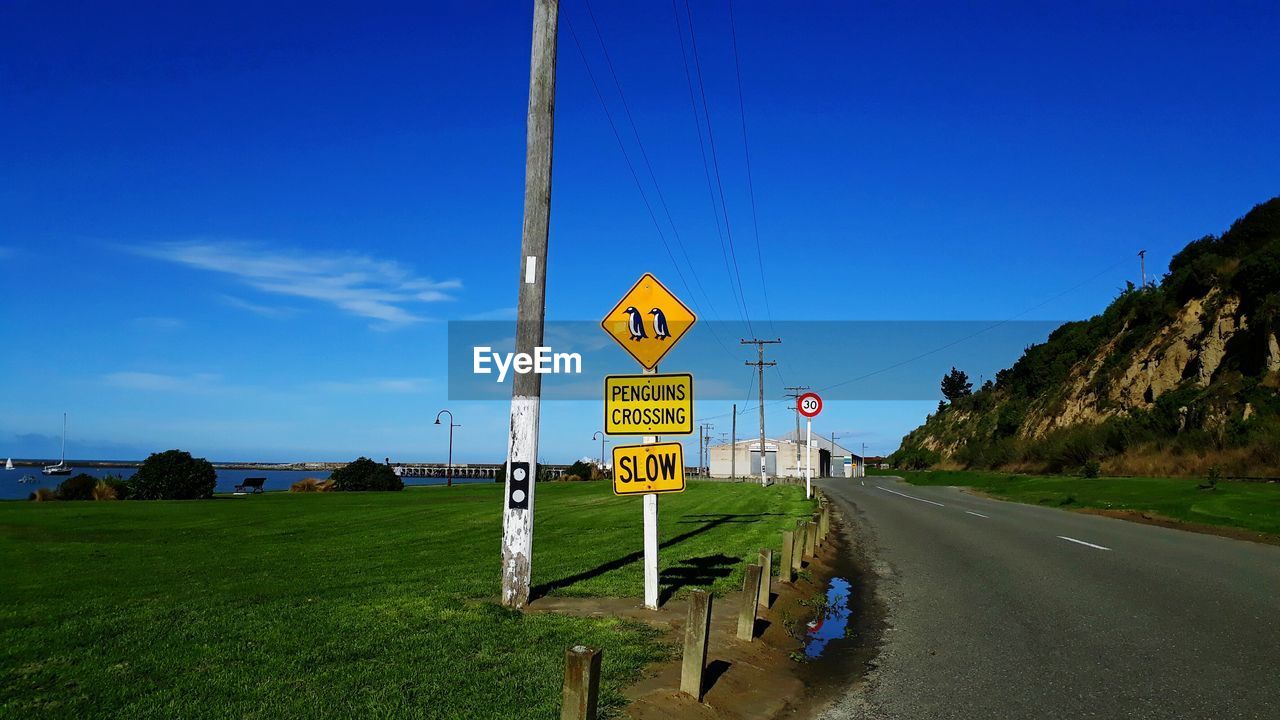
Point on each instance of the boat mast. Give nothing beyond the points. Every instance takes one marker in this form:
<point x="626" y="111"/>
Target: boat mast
<point x="64" y="439"/>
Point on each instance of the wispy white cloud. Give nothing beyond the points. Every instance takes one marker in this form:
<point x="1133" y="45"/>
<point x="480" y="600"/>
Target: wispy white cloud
<point x="268" y="311"/>
<point x="158" y="323"/>
<point x="398" y="386"/>
<point x="381" y="290"/>
<point x="159" y="382"/>
<point x="506" y="313"/>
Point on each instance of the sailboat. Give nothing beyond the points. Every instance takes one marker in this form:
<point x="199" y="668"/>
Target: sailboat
<point x="8" y="464"/>
<point x="61" y="468"/>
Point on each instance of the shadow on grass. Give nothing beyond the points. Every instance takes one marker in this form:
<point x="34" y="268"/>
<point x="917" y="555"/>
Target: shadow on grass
<point x="694" y="572"/>
<point x="705" y="570"/>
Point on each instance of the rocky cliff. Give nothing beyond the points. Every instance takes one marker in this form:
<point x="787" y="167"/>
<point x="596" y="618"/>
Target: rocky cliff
<point x="1174" y="377"/>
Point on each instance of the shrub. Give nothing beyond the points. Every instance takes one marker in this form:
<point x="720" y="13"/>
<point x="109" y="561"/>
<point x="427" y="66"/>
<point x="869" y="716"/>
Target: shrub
<point x="77" y="487"/>
<point x="43" y="495"/>
<point x="310" y="485"/>
<point x="118" y="486"/>
<point x="581" y="471"/>
<point x="1091" y="469"/>
<point x="365" y="474"/>
<point x="173" y="475"/>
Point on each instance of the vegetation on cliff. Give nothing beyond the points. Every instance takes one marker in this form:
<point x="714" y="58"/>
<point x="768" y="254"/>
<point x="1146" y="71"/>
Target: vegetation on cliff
<point x="1172" y="378"/>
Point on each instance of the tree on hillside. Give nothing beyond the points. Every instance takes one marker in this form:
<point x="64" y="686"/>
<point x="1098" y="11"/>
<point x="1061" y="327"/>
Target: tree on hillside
<point x="956" y="385"/>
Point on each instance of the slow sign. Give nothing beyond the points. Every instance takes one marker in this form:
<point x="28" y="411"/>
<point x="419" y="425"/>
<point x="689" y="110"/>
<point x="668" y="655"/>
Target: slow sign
<point x="641" y="469"/>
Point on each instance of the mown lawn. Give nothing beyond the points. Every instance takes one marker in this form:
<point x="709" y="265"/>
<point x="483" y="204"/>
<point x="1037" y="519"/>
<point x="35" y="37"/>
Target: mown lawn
<point x="1251" y="506"/>
<point x="369" y="605"/>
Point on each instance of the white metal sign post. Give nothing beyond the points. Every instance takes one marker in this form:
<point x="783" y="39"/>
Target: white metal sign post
<point x="809" y="405"/>
<point x="647" y="322"/>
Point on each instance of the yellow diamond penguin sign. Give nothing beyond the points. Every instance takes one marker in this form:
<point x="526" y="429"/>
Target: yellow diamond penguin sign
<point x="648" y="404"/>
<point x="654" y="468"/>
<point x="648" y="321"/>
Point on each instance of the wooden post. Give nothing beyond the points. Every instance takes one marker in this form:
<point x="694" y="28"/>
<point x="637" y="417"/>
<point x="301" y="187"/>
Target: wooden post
<point x="581" y="683"/>
<point x="786" y="568"/>
<point x="810" y="538"/>
<point x="695" y="644"/>
<point x="747" y="613"/>
<point x="766" y="572"/>
<point x="797" y="560"/>
<point x="526" y="388"/>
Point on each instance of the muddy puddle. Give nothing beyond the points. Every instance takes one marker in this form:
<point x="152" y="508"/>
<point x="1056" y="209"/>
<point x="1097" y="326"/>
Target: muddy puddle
<point x="832" y="622"/>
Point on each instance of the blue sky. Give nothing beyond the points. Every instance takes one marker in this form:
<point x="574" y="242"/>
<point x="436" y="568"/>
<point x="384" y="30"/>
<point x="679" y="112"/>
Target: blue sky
<point x="242" y="230"/>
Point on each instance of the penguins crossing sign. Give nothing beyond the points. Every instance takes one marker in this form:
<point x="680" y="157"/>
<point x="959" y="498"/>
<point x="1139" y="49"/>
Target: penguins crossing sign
<point x="648" y="321"/>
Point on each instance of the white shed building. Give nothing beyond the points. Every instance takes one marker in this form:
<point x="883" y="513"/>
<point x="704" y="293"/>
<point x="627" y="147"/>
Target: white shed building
<point x="784" y="457"/>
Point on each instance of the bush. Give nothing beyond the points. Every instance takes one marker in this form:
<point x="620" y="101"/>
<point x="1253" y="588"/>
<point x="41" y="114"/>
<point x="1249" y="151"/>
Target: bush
<point x="1091" y="469"/>
<point x="173" y="475"/>
<point x="43" y="495"/>
<point x="365" y="474"/>
<point x="310" y="485"/>
<point x="102" y="490"/>
<point x="581" y="471"/>
<point x="111" y="487"/>
<point x="77" y="487"/>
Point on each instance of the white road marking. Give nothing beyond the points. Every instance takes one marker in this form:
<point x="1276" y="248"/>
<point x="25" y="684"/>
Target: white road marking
<point x="911" y="497"/>
<point x="864" y="483"/>
<point x="978" y="514"/>
<point x="1081" y="542"/>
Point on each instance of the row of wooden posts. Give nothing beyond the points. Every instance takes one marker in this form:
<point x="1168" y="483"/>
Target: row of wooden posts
<point x="582" y="664"/>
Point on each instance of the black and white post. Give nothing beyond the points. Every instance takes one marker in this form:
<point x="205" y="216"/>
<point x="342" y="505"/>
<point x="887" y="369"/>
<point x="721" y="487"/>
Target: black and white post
<point x="522" y="440"/>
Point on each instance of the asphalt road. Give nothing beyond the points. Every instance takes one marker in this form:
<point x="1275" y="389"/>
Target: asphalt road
<point x="1003" y="610"/>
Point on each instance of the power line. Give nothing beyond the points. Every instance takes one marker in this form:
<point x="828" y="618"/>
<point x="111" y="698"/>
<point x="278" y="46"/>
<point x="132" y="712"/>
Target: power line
<point x="635" y="177"/>
<point x="746" y="149"/>
<point x="635" y="131"/>
<point x="715" y="161"/>
<point x="953" y="343"/>
<point x="706" y="166"/>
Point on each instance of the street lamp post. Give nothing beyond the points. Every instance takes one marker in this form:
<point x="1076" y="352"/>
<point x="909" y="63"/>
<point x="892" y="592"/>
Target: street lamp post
<point x="449" y="480"/>
<point x="602" y="441"/>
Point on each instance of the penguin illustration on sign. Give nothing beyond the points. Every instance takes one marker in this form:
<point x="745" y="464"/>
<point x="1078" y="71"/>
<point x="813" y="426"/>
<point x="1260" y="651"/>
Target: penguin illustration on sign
<point x="660" y="329"/>
<point x="635" y="324"/>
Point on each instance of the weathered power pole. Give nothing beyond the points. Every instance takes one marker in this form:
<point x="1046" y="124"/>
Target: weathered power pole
<point x="704" y="446"/>
<point x="797" y="391"/>
<point x="733" y="454"/>
<point x="526" y="388"/>
<point x="1142" y="262"/>
<point x="760" y="365"/>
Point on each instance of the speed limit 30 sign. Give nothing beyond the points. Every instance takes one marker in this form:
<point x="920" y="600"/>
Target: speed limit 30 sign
<point x="809" y="404"/>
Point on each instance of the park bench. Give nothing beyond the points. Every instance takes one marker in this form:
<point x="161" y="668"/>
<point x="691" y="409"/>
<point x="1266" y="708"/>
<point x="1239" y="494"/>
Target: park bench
<point x="251" y="485"/>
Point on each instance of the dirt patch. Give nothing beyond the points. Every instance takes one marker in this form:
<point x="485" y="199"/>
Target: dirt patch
<point x="1147" y="518"/>
<point x="761" y="679"/>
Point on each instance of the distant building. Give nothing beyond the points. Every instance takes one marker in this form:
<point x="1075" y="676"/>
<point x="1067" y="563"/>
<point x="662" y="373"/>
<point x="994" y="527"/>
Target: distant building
<point x="780" y="457"/>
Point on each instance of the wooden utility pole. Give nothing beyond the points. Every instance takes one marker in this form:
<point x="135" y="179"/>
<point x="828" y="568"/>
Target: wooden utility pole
<point x="796" y="392"/>
<point x="526" y="388"/>
<point x="760" y="365"/>
<point x="733" y="455"/>
<point x="1142" y="262"/>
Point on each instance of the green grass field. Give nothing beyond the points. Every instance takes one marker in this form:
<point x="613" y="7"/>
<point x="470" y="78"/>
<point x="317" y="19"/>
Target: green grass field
<point x="1251" y="506"/>
<point x="369" y="605"/>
